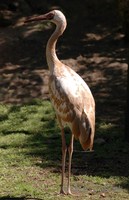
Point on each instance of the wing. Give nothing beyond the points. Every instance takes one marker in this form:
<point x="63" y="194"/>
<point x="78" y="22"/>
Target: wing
<point x="70" y="95"/>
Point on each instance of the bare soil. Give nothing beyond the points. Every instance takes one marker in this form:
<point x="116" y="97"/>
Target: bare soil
<point x="93" y="45"/>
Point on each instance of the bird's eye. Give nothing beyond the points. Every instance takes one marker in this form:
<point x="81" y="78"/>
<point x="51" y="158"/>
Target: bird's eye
<point x="50" y="16"/>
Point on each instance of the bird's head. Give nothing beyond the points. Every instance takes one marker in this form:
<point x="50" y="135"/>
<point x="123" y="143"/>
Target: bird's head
<point x="54" y="16"/>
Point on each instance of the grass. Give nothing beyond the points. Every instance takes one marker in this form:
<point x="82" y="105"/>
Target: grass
<point x="30" y="157"/>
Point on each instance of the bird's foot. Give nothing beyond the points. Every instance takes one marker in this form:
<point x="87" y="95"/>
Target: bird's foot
<point x="69" y="192"/>
<point x="63" y="192"/>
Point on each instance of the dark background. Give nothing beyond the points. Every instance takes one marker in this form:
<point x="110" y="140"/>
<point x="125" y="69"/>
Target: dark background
<point x="94" y="45"/>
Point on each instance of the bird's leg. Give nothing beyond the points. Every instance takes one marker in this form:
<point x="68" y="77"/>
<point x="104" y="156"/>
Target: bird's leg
<point x="64" y="150"/>
<point x="70" y="150"/>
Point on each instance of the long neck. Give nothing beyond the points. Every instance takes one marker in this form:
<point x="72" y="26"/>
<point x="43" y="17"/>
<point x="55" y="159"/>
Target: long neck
<point x="52" y="59"/>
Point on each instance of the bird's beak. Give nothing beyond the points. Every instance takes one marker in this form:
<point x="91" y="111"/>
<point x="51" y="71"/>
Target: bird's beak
<point x="47" y="16"/>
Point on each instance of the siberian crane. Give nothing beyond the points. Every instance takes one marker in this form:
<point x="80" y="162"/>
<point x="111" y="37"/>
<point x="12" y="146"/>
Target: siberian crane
<point x="70" y="95"/>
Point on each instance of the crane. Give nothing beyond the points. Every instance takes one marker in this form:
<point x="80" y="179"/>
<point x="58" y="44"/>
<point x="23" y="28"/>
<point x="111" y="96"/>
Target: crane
<point x="70" y="95"/>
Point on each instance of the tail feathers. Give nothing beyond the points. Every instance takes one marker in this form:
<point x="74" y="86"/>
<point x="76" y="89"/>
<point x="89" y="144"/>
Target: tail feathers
<point x="83" y="129"/>
<point x="85" y="132"/>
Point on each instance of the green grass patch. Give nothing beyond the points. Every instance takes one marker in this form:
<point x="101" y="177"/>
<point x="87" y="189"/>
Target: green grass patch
<point x="30" y="157"/>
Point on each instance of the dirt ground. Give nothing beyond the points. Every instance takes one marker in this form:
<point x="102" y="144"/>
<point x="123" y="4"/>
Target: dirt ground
<point x="93" y="45"/>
